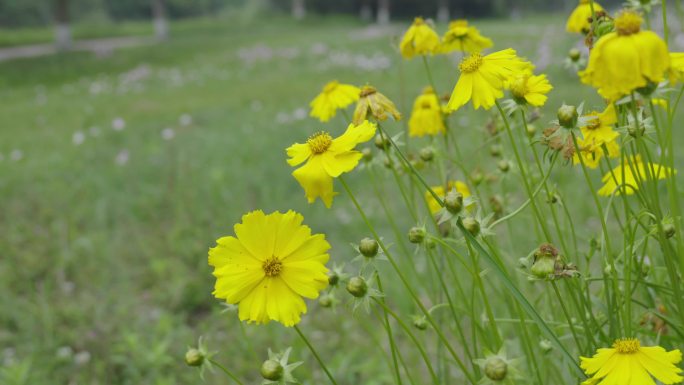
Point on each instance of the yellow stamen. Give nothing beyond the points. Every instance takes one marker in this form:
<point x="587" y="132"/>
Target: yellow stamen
<point x="272" y="267"/>
<point x="627" y="345"/>
<point x="628" y="23"/>
<point x="471" y="63"/>
<point x="319" y="142"/>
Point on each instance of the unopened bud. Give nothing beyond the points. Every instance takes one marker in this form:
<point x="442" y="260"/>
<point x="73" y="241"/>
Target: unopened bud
<point x="333" y="278"/>
<point x="387" y="162"/>
<point x="381" y="142"/>
<point x="420" y="323"/>
<point x="567" y="116"/>
<point x="476" y="177"/>
<point x="367" y="154"/>
<point x="669" y="230"/>
<point x="416" y="234"/>
<point x="545" y="346"/>
<point x="427" y="153"/>
<point x="368" y="247"/>
<point x="574" y="54"/>
<point x="531" y="129"/>
<point x="495" y="150"/>
<point x="496" y="368"/>
<point x="472" y="225"/>
<point x="357" y="286"/>
<point x="543" y="267"/>
<point x="326" y="300"/>
<point x="636" y="130"/>
<point x="453" y="201"/>
<point x="194" y="357"/>
<point x="272" y="370"/>
<point x="504" y="165"/>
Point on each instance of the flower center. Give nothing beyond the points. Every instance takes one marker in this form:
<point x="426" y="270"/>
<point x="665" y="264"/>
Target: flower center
<point x="272" y="267"/>
<point x="418" y="21"/>
<point x="367" y="90"/>
<point x="319" y="142"/>
<point x="330" y="87"/>
<point x="594" y="123"/>
<point x="471" y="63"/>
<point x="628" y="23"/>
<point x="627" y="345"/>
<point x="426" y="105"/>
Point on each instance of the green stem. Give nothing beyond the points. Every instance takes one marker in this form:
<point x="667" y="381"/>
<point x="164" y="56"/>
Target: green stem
<point x="315" y="354"/>
<point x="226" y="371"/>
<point x="393" y="346"/>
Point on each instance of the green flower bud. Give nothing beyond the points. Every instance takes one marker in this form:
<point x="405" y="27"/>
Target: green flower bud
<point x="636" y="131"/>
<point x="574" y="54"/>
<point x="416" y="234"/>
<point x="472" y="225"/>
<point x="496" y="368"/>
<point x="387" y="163"/>
<point x="504" y="165"/>
<point x="477" y="177"/>
<point x="427" y="153"/>
<point x="381" y="142"/>
<point x="545" y="346"/>
<point x="272" y="370"/>
<point x="325" y="300"/>
<point x="495" y="150"/>
<point x="543" y="267"/>
<point x="669" y="230"/>
<point x="531" y="129"/>
<point x="453" y="201"/>
<point x="368" y="247"/>
<point x="357" y="286"/>
<point x="194" y="357"/>
<point x="333" y="278"/>
<point x="567" y="116"/>
<point x="367" y="154"/>
<point x="420" y="323"/>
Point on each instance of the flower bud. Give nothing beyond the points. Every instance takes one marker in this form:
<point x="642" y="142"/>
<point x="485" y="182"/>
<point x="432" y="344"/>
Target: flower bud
<point x="416" y="234"/>
<point x="545" y="346"/>
<point x="504" y="165"/>
<point x="453" y="201"/>
<point x="472" y="225"/>
<point x="531" y="129"/>
<point x="574" y="54"/>
<point x="333" y="278"/>
<point x="496" y="368"/>
<point x="368" y="247"/>
<point x="387" y="163"/>
<point x="272" y="370"/>
<point x="495" y="150"/>
<point x="567" y="116"/>
<point x="427" y="153"/>
<point x="357" y="286"/>
<point x="381" y="142"/>
<point x="543" y="267"/>
<point x="420" y="323"/>
<point x="477" y="177"/>
<point x="194" y="357"/>
<point x="367" y="154"/>
<point x="325" y="300"/>
<point x="636" y="130"/>
<point x="669" y="230"/>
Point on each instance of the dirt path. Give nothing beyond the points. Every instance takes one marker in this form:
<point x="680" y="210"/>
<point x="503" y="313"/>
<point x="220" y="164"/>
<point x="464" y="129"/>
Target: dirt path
<point x="97" y="46"/>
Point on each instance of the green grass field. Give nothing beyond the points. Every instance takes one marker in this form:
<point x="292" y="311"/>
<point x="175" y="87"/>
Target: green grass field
<point x="105" y="231"/>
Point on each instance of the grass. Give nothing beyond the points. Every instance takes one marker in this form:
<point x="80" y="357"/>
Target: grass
<point x="103" y="266"/>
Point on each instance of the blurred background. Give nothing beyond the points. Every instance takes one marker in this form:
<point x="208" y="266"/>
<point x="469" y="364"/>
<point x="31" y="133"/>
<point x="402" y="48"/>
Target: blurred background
<point x="135" y="133"/>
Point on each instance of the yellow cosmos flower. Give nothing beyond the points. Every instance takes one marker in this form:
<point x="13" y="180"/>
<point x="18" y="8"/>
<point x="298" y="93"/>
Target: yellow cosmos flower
<point x="433" y="205"/>
<point x="374" y="104"/>
<point x="598" y="132"/>
<point x="464" y="38"/>
<point x="629" y="363"/>
<point x="616" y="182"/>
<point x="578" y="22"/>
<point x="419" y="39"/>
<point x="334" y="96"/>
<point x="269" y="265"/>
<point x="627" y="59"/>
<point x="482" y="78"/>
<point x="529" y="88"/>
<point x="426" y="117"/>
<point x="327" y="158"/>
<point x="676" y="67"/>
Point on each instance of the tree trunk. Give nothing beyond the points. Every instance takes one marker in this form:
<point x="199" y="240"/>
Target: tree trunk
<point x="443" y="11"/>
<point x="62" y="29"/>
<point x="366" y="12"/>
<point x="161" y="26"/>
<point x="383" y="12"/>
<point x="298" y="9"/>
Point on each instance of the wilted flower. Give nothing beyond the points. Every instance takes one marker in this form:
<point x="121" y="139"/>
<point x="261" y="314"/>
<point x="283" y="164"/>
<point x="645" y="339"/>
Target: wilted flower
<point x="374" y="104"/>
<point x="426" y="117"/>
<point x="419" y="39"/>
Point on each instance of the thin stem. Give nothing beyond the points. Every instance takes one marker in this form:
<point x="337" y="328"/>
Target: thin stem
<point x="226" y="371"/>
<point x="315" y="354"/>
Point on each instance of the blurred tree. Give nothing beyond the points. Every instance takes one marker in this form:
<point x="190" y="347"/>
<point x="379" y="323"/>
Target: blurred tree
<point x="298" y="9"/>
<point x="62" y="29"/>
<point x="383" y="12"/>
<point x="443" y="11"/>
<point x="366" y="12"/>
<point x="161" y="27"/>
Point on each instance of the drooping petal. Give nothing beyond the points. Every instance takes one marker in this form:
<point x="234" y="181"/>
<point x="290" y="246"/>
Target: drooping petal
<point x="463" y="91"/>
<point x="298" y="153"/>
<point x="315" y="181"/>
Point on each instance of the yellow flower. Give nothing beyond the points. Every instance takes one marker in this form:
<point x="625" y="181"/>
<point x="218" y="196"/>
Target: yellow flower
<point x="327" y="158"/>
<point x="629" y="363"/>
<point x="578" y="21"/>
<point x="426" y="117"/>
<point x="419" y="39"/>
<point x="372" y="103"/>
<point x="432" y="203"/>
<point x="269" y="265"/>
<point x="529" y="88"/>
<point x="334" y="96"/>
<point x="627" y="59"/>
<point x="482" y="78"/>
<point x="598" y="132"/>
<point x="676" y="67"/>
<point x="635" y="171"/>
<point x="464" y="38"/>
